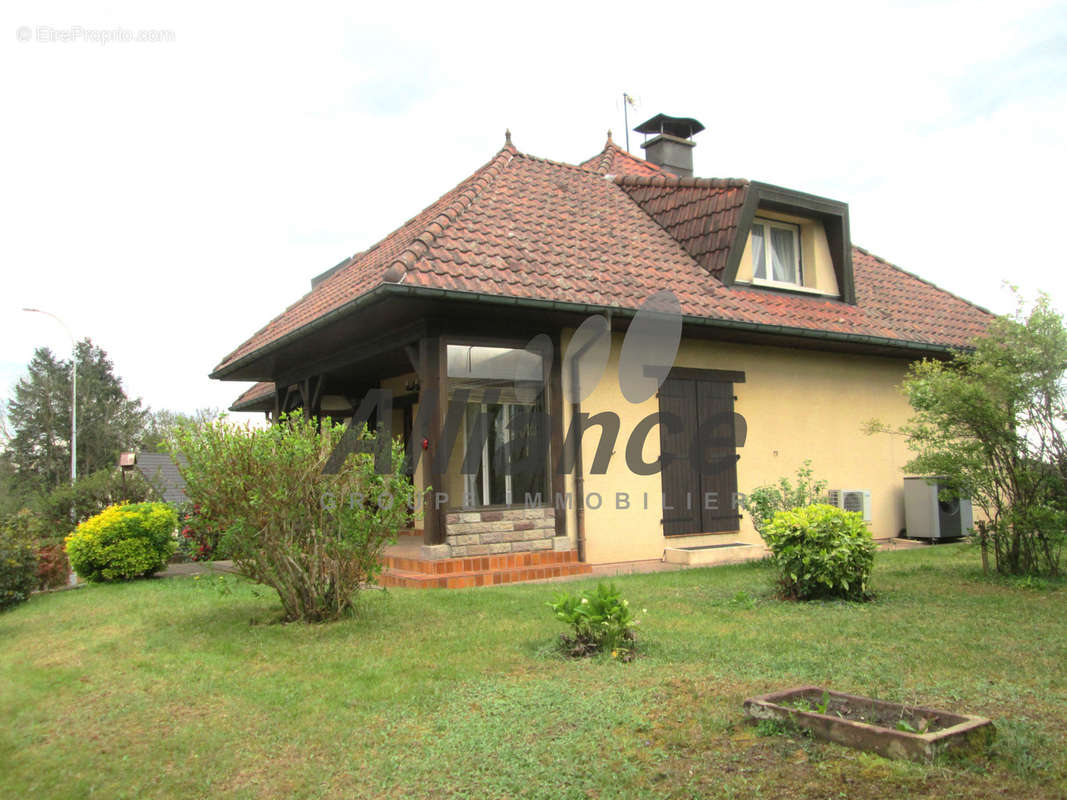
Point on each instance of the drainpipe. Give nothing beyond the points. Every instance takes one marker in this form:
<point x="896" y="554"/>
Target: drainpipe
<point x="579" y="480"/>
<point x="579" y="476"/>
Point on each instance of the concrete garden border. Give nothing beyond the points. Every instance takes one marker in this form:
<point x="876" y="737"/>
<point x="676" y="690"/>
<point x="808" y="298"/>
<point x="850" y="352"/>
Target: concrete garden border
<point x="960" y="733"/>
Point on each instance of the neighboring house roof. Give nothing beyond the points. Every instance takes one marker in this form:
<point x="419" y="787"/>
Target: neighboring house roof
<point x="160" y="470"/>
<point x="610" y="233"/>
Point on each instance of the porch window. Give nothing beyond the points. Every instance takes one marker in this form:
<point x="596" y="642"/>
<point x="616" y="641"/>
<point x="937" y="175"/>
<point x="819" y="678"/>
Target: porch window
<point x="776" y="252"/>
<point x="503" y="437"/>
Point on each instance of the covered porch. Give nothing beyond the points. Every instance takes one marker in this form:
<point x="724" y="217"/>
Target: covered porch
<point x="455" y="390"/>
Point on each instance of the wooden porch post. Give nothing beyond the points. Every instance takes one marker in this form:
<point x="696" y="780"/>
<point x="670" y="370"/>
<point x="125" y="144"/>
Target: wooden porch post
<point x="554" y="408"/>
<point x="433" y="381"/>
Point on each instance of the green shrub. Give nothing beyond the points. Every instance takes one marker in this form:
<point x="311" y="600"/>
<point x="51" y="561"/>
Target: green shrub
<point x="601" y="621"/>
<point x="123" y="541"/>
<point x="88" y="497"/>
<point x="18" y="560"/>
<point x="314" y="536"/>
<point x="764" y="502"/>
<point x="821" y="551"/>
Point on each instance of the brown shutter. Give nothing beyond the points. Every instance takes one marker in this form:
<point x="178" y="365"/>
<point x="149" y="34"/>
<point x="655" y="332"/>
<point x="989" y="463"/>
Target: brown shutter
<point x="718" y="465"/>
<point x="681" y="483"/>
<point x="700" y="484"/>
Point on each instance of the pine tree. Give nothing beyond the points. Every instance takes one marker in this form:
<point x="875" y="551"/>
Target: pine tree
<point x="38" y="418"/>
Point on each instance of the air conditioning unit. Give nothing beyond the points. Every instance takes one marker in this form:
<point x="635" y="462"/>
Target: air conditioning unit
<point x="852" y="500"/>
<point x="928" y="515"/>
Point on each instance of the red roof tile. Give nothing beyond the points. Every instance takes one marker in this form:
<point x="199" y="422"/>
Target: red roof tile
<point x="701" y="214"/>
<point x="256" y="393"/>
<point x="613" y="160"/>
<point x="366" y="270"/>
<point x="529" y="228"/>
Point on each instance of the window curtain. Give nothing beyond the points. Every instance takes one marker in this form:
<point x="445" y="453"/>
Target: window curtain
<point x="783" y="256"/>
<point x="759" y="262"/>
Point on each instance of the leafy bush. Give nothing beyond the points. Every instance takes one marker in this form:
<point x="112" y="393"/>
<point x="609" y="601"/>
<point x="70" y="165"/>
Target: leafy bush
<point x="991" y="421"/>
<point x="766" y="501"/>
<point x="198" y="540"/>
<point x="18" y="561"/>
<point x="123" y="541"/>
<point x="53" y="568"/>
<point x="821" y="551"/>
<point x="601" y="621"/>
<point x="315" y="537"/>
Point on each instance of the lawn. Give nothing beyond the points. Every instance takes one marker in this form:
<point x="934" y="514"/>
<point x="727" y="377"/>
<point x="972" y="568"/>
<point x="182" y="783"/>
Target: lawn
<point x="187" y="688"/>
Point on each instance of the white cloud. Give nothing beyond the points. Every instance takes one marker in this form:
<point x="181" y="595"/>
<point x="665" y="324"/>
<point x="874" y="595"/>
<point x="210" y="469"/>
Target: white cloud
<point x="167" y="199"/>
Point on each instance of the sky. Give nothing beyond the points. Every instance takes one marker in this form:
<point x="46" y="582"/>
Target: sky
<point x="167" y="196"/>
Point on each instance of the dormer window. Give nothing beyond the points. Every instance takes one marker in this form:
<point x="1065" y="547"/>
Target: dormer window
<point x="776" y="252"/>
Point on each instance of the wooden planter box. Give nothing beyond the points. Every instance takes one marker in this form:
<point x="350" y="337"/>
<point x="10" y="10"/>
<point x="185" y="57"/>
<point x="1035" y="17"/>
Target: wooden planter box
<point x="841" y="723"/>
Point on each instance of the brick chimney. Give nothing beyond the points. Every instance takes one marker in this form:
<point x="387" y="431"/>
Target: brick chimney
<point x="671" y="145"/>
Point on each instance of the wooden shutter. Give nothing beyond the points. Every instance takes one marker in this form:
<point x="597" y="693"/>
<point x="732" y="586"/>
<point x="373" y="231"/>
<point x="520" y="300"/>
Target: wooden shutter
<point x="705" y="408"/>
<point x="681" y="484"/>
<point x="718" y="462"/>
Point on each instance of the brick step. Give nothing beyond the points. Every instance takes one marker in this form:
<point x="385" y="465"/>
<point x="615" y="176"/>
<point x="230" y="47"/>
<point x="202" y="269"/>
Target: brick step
<point x="470" y="579"/>
<point x="474" y="564"/>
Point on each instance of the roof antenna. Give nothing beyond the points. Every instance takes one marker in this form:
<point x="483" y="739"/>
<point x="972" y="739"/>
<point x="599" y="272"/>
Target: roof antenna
<point x="627" y="100"/>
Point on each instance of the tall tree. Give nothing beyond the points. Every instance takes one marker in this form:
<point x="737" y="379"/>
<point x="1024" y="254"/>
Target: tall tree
<point x="994" y="422"/>
<point x="161" y="426"/>
<point x="39" y="418"/>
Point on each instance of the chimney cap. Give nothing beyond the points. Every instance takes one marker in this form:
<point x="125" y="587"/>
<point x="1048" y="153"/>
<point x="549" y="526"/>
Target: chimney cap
<point x="682" y="127"/>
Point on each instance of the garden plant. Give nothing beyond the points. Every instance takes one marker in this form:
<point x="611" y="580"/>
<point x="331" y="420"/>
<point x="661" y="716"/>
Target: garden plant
<point x="763" y="502"/>
<point x="601" y="621"/>
<point x="315" y="536"/>
<point x="18" y="560"/>
<point x="125" y="541"/>
<point x="993" y="423"/>
<point x="821" y="552"/>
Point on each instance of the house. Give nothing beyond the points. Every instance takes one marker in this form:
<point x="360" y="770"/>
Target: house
<point x="530" y="291"/>
<point x="162" y="474"/>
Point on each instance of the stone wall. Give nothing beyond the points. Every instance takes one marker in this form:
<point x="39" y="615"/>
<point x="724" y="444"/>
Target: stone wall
<point x="510" y="530"/>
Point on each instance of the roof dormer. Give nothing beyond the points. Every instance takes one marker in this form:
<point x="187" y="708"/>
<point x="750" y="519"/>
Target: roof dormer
<point x="792" y="241"/>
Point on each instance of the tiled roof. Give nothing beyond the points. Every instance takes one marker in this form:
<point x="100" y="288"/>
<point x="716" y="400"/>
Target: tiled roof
<point x="256" y="393"/>
<point x="701" y="214"/>
<point x="529" y="228"/>
<point x="613" y="160"/>
<point x="366" y="270"/>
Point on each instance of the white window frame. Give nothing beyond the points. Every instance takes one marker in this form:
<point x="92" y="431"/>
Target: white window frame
<point x="788" y="226"/>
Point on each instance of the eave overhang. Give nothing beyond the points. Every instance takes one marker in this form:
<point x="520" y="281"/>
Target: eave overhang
<point x="259" y="365"/>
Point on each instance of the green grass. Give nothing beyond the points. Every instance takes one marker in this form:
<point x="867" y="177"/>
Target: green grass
<point x="171" y="688"/>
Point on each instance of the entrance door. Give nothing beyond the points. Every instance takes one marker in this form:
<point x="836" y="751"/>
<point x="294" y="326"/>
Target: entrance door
<point x="700" y="459"/>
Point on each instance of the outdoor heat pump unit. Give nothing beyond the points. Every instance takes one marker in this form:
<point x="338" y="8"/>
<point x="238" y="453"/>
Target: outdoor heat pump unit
<point x="852" y="500"/>
<point x="930" y="515"/>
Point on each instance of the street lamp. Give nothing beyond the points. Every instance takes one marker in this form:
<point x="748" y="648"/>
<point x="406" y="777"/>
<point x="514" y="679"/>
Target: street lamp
<point x="73" y="393"/>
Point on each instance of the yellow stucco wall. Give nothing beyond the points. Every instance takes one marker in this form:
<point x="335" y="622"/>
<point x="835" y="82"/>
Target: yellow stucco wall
<point x="798" y="404"/>
<point x="816" y="261"/>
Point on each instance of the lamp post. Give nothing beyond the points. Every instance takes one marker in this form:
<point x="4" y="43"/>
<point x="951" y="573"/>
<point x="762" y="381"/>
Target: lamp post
<point x="73" y="393"/>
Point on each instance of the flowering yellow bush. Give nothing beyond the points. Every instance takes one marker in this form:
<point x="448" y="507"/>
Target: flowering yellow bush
<point x="123" y="541"/>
